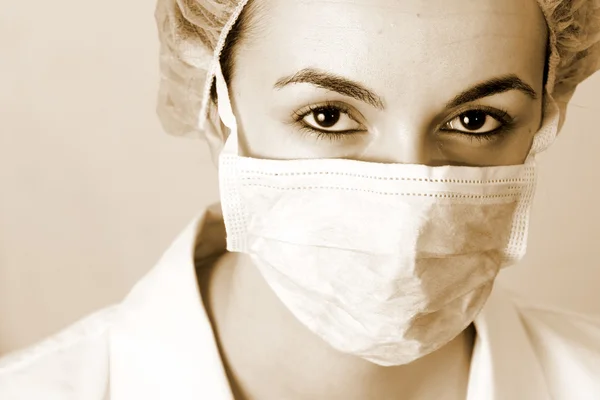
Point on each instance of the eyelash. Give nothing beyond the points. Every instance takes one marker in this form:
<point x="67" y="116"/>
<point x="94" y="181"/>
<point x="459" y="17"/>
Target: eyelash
<point x="320" y="134"/>
<point x="499" y="114"/>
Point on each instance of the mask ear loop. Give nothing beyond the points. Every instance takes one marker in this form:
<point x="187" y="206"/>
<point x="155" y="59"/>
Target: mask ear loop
<point x="549" y="129"/>
<point x="226" y="112"/>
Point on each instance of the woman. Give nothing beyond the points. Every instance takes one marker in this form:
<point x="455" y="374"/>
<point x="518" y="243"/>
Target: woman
<point x="377" y="165"/>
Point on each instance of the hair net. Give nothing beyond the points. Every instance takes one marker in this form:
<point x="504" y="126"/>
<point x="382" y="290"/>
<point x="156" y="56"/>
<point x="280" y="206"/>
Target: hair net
<point x="193" y="32"/>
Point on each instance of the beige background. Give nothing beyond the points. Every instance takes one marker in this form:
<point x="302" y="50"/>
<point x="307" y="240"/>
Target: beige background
<point x="93" y="192"/>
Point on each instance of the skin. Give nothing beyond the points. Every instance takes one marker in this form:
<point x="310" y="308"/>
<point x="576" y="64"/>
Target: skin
<point x="446" y="48"/>
<point x="415" y="56"/>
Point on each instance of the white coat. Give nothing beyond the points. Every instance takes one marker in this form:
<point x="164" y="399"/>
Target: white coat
<point x="158" y="344"/>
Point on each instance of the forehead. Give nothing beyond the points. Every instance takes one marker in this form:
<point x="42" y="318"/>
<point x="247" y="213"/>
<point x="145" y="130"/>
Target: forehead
<point x="384" y="42"/>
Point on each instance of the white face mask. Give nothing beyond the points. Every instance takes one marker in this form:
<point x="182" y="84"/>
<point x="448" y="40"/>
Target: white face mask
<point x="388" y="262"/>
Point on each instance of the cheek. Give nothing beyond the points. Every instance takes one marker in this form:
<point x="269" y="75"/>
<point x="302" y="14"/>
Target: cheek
<point x="261" y="136"/>
<point x="511" y="149"/>
<point x="257" y="133"/>
<point x="517" y="148"/>
<point x="247" y="101"/>
<point x="514" y="148"/>
<point x="520" y="149"/>
<point x="265" y="135"/>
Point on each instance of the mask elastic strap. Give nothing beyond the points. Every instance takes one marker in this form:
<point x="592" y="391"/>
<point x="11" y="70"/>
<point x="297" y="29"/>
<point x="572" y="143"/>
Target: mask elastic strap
<point x="549" y="130"/>
<point x="226" y="112"/>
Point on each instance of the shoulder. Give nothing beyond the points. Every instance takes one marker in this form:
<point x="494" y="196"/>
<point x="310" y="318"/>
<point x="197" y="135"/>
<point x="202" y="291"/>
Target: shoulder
<point x="568" y="347"/>
<point x="72" y="364"/>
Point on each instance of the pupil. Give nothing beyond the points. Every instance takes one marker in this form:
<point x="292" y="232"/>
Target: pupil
<point x="473" y="120"/>
<point x="326" y="116"/>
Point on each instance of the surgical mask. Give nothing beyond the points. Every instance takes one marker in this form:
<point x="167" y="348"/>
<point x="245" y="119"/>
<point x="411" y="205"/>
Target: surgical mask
<point x="388" y="262"/>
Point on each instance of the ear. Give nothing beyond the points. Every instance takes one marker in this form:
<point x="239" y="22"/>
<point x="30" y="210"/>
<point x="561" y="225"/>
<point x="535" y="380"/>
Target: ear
<point x="562" y="96"/>
<point x="215" y="133"/>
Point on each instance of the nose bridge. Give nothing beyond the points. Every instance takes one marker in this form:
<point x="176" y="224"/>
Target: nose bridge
<point x="407" y="144"/>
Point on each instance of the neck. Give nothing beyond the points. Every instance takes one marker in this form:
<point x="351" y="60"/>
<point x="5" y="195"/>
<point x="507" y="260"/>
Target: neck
<point x="271" y="355"/>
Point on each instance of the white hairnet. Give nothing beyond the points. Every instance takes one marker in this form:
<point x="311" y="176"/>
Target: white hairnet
<point x="193" y="32"/>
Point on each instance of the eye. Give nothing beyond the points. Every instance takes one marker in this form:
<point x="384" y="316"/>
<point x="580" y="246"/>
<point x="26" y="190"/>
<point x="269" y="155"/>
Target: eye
<point x="328" y="118"/>
<point x="478" y="122"/>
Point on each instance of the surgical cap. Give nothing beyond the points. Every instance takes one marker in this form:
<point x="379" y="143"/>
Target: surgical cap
<point x="192" y="35"/>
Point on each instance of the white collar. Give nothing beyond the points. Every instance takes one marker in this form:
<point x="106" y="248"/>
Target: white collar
<point x="162" y="344"/>
<point x="504" y="364"/>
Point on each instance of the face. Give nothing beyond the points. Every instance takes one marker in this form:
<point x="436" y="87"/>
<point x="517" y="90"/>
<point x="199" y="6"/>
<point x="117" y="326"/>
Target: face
<point x="434" y="82"/>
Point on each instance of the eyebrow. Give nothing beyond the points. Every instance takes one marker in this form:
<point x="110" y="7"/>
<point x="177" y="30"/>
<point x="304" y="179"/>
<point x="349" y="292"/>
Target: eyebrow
<point x="359" y="92"/>
<point x="334" y="83"/>
<point x="491" y="87"/>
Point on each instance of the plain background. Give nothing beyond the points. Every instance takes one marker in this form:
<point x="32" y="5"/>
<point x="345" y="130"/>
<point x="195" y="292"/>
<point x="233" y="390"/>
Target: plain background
<point x="92" y="191"/>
